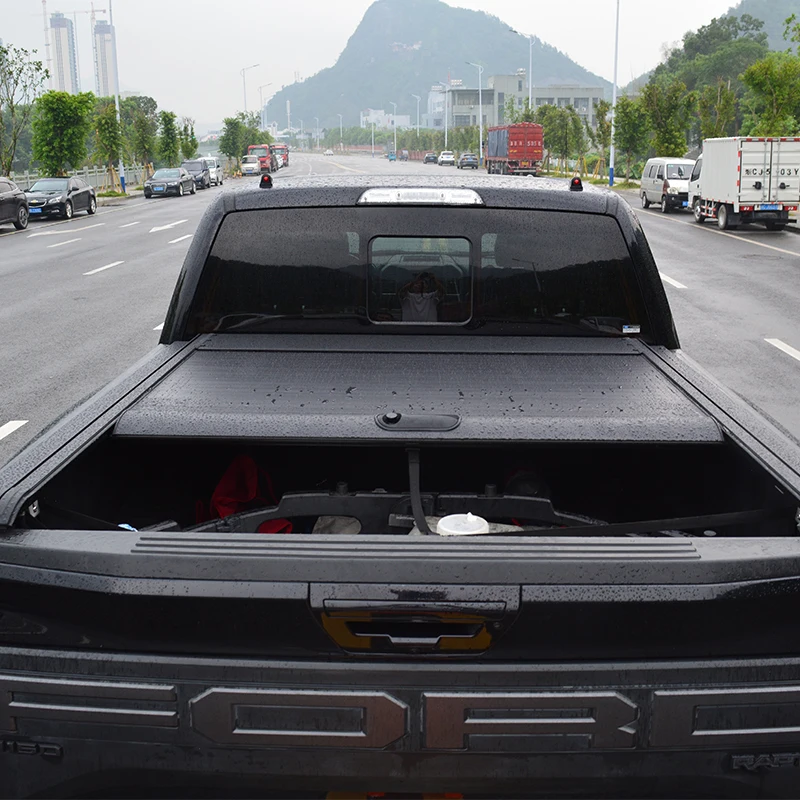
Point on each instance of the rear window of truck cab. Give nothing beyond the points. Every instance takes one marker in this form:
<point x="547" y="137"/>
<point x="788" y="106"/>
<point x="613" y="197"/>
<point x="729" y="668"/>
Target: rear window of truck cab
<point x="419" y="270"/>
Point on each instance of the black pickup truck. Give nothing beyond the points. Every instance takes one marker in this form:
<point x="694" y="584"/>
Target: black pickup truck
<point x="416" y="495"/>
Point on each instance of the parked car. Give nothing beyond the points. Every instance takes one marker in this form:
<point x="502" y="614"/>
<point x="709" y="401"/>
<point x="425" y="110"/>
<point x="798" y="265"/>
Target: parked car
<point x="251" y="165"/>
<point x="468" y="161"/>
<point x="447" y="159"/>
<point x="175" y="180"/>
<point x="665" y="182"/>
<point x="199" y="170"/>
<point x="214" y="169"/>
<point x="430" y="158"/>
<point x="329" y="152"/>
<point x="61" y="196"/>
<point x="13" y="204"/>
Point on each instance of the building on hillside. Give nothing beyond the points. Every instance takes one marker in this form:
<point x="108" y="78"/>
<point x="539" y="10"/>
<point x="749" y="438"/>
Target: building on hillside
<point x="382" y="120"/>
<point x="463" y="103"/>
<point x="105" y="67"/>
<point x="65" y="60"/>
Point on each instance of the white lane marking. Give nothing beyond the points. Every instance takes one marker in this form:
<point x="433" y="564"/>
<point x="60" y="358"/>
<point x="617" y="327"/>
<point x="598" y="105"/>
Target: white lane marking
<point x="180" y="239"/>
<point x="709" y="229"/>
<point x="128" y="207"/>
<point x="61" y="244"/>
<point x="67" y="231"/>
<point x="159" y="327"/>
<point x="131" y="224"/>
<point x="671" y="282"/>
<point x="100" y="269"/>
<point x="788" y="349"/>
<point x="167" y="227"/>
<point x="10" y="427"/>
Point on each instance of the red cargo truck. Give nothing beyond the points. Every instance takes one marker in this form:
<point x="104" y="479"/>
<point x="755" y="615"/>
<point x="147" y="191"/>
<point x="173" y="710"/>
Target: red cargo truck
<point x="264" y="156"/>
<point x="515" y="149"/>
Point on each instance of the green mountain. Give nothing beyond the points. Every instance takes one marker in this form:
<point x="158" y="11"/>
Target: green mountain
<point x="772" y="13"/>
<point x="403" y="47"/>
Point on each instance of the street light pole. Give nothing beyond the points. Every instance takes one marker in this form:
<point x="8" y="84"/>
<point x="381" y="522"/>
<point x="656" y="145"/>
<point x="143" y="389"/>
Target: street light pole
<point x="417" y="98"/>
<point x="614" y="106"/>
<point x="394" y="123"/>
<point x="116" y="88"/>
<point x="341" y="131"/>
<point x="316" y="128"/>
<point x="480" y="106"/>
<point x="373" y="138"/>
<point x="243" y="71"/>
<point x="530" y="73"/>
<point x="261" y="102"/>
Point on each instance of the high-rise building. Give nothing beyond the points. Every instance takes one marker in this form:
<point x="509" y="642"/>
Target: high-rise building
<point x="65" y="63"/>
<point x="105" y="69"/>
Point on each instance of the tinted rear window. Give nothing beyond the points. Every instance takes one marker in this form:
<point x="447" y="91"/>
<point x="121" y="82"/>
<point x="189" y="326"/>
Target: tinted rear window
<point x="419" y="270"/>
<point x="193" y="166"/>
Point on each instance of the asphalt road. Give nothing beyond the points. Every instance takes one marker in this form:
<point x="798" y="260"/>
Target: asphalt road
<point x="81" y="301"/>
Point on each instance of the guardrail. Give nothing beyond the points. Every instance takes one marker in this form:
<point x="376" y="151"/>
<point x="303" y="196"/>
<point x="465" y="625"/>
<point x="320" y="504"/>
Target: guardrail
<point x="94" y="176"/>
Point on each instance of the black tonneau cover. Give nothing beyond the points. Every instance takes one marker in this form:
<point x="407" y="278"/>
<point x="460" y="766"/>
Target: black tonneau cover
<point x="295" y="388"/>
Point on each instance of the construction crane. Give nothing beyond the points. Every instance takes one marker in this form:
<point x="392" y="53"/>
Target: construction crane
<point x="93" y="13"/>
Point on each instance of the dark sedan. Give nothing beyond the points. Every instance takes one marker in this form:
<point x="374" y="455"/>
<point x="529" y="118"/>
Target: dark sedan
<point x="430" y="158"/>
<point x="13" y="204"/>
<point x="61" y="196"/>
<point x="175" y="181"/>
<point x="199" y="170"/>
<point x="468" y="161"/>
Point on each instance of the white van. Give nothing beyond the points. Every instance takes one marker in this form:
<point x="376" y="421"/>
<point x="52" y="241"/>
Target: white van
<point x="665" y="182"/>
<point x="214" y="169"/>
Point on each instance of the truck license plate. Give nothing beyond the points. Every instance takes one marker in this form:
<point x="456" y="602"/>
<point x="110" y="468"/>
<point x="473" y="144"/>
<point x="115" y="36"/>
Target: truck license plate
<point x="770" y="207"/>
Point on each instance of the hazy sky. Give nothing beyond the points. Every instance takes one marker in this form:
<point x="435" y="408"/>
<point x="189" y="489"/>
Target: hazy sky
<point x="187" y="53"/>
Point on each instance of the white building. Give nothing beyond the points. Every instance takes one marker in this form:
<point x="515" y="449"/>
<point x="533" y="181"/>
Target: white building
<point x="384" y="121"/>
<point x="65" y="62"/>
<point x="105" y="68"/>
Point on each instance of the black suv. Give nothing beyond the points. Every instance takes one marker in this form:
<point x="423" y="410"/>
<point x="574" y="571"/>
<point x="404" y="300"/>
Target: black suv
<point x="13" y="204"/>
<point x="199" y="171"/>
<point x="430" y="158"/>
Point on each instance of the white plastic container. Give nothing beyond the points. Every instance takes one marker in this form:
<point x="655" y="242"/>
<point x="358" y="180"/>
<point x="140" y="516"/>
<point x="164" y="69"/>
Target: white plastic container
<point x="462" y="525"/>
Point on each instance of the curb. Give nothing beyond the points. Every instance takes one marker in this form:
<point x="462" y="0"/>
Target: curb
<point x="118" y="201"/>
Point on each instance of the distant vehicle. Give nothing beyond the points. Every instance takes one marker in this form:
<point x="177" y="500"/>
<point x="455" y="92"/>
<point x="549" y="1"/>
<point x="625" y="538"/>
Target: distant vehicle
<point x="447" y="158"/>
<point x="199" y="170"/>
<point x="214" y="169"/>
<point x="404" y="155"/>
<point x="267" y="159"/>
<point x="392" y="156"/>
<point x="175" y="181"/>
<point x="281" y="150"/>
<point x="516" y="149"/>
<point x="329" y="152"/>
<point x="736" y="181"/>
<point x="13" y="204"/>
<point x="62" y="196"/>
<point x="468" y="161"/>
<point x="665" y="183"/>
<point x="430" y="158"/>
<point x="251" y="165"/>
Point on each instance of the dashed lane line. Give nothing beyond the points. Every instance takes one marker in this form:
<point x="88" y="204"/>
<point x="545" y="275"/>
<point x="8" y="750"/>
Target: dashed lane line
<point x="181" y="238"/>
<point x="788" y="349"/>
<point x="101" y="269"/>
<point x="131" y="224"/>
<point x="10" y="427"/>
<point x="671" y="281"/>
<point x="61" y="244"/>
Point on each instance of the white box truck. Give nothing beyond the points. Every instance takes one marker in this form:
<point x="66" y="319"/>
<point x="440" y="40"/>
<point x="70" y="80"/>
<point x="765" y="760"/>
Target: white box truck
<point x="739" y="180"/>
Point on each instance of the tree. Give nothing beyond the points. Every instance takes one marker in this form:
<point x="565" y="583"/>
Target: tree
<point x="631" y="130"/>
<point x="188" y="139"/>
<point x="62" y="124"/>
<point x="513" y="113"/>
<point x="602" y="134"/>
<point x="168" y="139"/>
<point x="21" y="78"/>
<point x="230" y="141"/>
<point x="563" y="131"/>
<point x="792" y="31"/>
<point x="717" y="109"/>
<point x="139" y="120"/>
<point x="669" y="107"/>
<point x="108" y="134"/>
<point x="774" y="95"/>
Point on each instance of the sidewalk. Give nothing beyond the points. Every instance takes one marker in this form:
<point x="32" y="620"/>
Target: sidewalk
<point x="119" y="201"/>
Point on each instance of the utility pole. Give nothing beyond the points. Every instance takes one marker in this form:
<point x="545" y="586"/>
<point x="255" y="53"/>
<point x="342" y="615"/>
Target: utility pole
<point x="614" y="106"/>
<point x="394" y="123"/>
<point x="116" y="86"/>
<point x="480" y="107"/>
<point x="341" y="132"/>
<point x="244" y="82"/>
<point x="417" y="98"/>
<point x="373" y="138"/>
<point x="316" y="130"/>
<point x="530" y="73"/>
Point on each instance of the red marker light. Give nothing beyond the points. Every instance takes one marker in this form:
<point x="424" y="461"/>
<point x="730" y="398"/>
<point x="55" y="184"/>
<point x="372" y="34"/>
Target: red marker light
<point x="576" y="185"/>
<point x="266" y="182"/>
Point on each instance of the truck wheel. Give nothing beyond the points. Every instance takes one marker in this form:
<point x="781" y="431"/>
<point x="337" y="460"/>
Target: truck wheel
<point x="664" y="205"/>
<point x="645" y="201"/>
<point x="724" y="218"/>
<point x="697" y="208"/>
